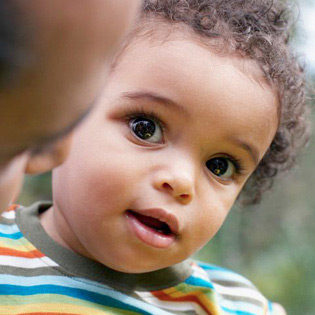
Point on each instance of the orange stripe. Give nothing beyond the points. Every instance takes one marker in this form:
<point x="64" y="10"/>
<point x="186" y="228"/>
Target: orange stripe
<point x="187" y="298"/>
<point x="47" y="313"/>
<point x="18" y="253"/>
<point x="12" y="207"/>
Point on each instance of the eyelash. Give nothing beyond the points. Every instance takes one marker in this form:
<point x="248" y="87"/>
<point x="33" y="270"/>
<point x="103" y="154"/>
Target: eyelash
<point x="239" y="168"/>
<point x="139" y="111"/>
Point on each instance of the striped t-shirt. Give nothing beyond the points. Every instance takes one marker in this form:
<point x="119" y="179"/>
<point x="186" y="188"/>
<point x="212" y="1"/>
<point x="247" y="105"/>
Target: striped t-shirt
<point x="38" y="276"/>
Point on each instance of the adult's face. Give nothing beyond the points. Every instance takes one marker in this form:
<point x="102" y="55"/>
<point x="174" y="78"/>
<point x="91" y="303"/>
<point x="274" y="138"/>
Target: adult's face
<point x="61" y="53"/>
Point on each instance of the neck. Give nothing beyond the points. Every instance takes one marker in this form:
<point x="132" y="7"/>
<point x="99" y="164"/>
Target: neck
<point x="57" y="227"/>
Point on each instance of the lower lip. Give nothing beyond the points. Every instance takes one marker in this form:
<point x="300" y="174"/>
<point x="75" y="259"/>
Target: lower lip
<point x="149" y="236"/>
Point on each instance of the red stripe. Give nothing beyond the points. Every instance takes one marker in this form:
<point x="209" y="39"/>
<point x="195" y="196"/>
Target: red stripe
<point x="17" y="253"/>
<point x="187" y="298"/>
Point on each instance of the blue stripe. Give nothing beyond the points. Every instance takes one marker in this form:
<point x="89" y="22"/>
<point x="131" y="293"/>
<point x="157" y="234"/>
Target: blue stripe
<point x="212" y="267"/>
<point x="13" y="236"/>
<point x="219" y="273"/>
<point x="241" y="306"/>
<point x="199" y="282"/>
<point x="78" y="283"/>
<point x="73" y="292"/>
<point x="236" y="312"/>
<point x="12" y="228"/>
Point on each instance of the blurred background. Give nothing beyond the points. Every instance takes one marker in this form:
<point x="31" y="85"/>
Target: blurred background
<point x="272" y="244"/>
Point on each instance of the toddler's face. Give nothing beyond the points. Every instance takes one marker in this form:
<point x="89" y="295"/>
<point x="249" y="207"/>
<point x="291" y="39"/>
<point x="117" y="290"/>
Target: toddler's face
<point x="154" y="171"/>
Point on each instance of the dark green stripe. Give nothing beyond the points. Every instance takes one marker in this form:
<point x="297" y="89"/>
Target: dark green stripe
<point x="26" y="272"/>
<point x="7" y="221"/>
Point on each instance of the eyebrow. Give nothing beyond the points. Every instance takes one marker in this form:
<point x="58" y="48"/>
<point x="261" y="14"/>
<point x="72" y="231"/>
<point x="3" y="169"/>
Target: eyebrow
<point x="154" y="97"/>
<point x="252" y="150"/>
<point x="46" y="141"/>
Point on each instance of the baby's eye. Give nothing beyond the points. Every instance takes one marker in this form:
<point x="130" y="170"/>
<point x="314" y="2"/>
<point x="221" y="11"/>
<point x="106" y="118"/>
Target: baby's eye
<point x="221" y="167"/>
<point x="146" y="129"/>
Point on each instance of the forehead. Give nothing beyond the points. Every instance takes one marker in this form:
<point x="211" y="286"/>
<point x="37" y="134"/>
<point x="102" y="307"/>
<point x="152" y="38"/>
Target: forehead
<point x="184" y="68"/>
<point x="164" y="46"/>
<point x="214" y="89"/>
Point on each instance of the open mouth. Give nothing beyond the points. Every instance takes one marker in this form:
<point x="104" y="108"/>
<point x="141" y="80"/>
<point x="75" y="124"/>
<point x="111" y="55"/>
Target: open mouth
<point x="153" y="226"/>
<point x="152" y="223"/>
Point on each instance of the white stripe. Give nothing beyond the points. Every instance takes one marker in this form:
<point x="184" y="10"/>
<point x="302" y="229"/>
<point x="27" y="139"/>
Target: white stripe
<point x="9" y="215"/>
<point x="73" y="283"/>
<point x="29" y="263"/>
<point x="242" y="306"/>
<point x="216" y="275"/>
<point x="200" y="273"/>
<point x="9" y="228"/>
<point x="240" y="292"/>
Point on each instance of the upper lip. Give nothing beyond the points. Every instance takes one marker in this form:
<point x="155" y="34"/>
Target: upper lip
<point x="162" y="215"/>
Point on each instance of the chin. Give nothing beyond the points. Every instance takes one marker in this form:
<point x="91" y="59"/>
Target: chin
<point x="134" y="268"/>
<point x="135" y="265"/>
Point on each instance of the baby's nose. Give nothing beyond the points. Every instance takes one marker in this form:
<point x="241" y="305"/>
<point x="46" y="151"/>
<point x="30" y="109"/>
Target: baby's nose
<point x="178" y="186"/>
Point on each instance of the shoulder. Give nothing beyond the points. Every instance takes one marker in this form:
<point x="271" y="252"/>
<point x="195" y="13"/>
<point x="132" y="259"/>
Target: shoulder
<point x="8" y="219"/>
<point x="14" y="245"/>
<point x="235" y="293"/>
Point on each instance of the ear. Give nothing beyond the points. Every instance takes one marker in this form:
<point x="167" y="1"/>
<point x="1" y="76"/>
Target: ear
<point x="49" y="158"/>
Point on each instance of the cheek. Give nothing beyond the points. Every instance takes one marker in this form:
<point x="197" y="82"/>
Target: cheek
<point x="100" y="180"/>
<point x="210" y="223"/>
<point x="214" y="210"/>
<point x="115" y="173"/>
<point x="122" y="15"/>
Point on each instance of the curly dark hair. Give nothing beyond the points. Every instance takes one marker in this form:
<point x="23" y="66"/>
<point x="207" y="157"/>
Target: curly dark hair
<point x="259" y="30"/>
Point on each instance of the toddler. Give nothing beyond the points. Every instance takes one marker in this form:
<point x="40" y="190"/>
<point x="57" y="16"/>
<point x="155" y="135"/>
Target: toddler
<point x="203" y="98"/>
